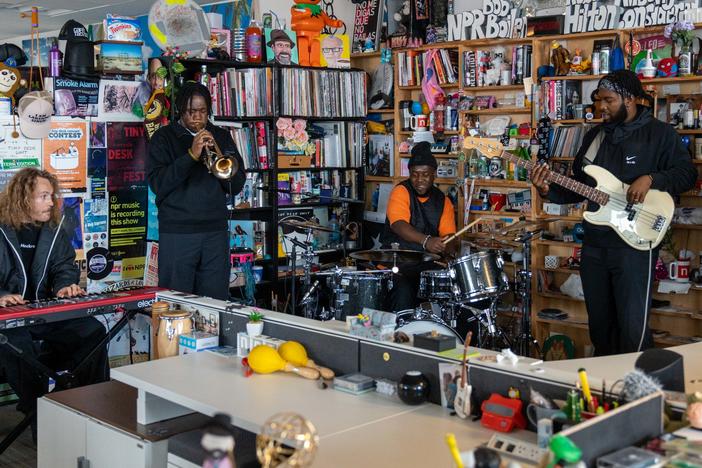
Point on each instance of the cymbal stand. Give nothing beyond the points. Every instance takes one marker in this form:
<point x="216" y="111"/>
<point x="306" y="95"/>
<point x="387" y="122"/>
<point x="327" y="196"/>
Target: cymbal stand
<point x="307" y="256"/>
<point x="490" y="335"/>
<point x="525" y="341"/>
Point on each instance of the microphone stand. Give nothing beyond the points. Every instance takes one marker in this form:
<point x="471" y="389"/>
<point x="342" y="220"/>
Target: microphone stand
<point x="525" y="341"/>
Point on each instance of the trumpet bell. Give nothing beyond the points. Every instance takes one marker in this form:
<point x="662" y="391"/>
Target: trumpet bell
<point x="224" y="167"/>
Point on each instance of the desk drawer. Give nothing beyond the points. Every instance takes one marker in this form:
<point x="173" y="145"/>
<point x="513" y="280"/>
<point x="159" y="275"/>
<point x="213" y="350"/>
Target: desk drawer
<point x="379" y="361"/>
<point x="336" y="352"/>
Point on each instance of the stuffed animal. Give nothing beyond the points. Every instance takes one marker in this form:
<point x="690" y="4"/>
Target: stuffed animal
<point x="667" y="68"/>
<point x="9" y="80"/>
<point x="308" y="20"/>
<point x="560" y="58"/>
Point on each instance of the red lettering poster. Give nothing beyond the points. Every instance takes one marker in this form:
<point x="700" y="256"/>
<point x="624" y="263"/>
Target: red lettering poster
<point x="126" y="155"/>
<point x="65" y="154"/>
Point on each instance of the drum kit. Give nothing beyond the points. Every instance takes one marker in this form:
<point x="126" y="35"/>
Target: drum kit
<point x="467" y="288"/>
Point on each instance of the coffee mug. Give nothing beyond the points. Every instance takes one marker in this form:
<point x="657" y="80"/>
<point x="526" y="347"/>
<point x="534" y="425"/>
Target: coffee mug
<point x="419" y="123"/>
<point x="679" y="270"/>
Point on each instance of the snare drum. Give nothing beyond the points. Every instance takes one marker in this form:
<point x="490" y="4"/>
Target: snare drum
<point x="171" y="326"/>
<point x="435" y="284"/>
<point x="355" y="290"/>
<point x="477" y="276"/>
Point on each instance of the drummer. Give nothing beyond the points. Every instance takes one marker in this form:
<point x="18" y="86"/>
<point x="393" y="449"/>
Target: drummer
<point x="419" y="217"/>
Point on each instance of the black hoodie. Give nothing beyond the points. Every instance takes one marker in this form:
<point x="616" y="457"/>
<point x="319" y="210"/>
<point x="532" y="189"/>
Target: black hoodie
<point x="629" y="150"/>
<point x="188" y="197"/>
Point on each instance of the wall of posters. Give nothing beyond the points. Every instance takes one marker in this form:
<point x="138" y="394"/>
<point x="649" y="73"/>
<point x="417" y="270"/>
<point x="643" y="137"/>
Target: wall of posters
<point x="65" y="154"/>
<point x="127" y="230"/>
<point x="16" y="153"/>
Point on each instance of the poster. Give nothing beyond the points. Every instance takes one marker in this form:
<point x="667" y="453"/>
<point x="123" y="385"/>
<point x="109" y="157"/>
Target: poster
<point x="152" y="222"/>
<point x="281" y="46"/>
<point x="117" y="98"/>
<point x="65" y="154"/>
<point x="126" y="155"/>
<point x="16" y="153"/>
<point x="151" y="264"/>
<point x="42" y="52"/>
<point x="367" y="23"/>
<point x="127" y="230"/>
<point x="97" y="171"/>
<point x="76" y="98"/>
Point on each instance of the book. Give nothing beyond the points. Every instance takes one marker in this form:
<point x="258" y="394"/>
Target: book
<point x="368" y="22"/>
<point x="380" y="155"/>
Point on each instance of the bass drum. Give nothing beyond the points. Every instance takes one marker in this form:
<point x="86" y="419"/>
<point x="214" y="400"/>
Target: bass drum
<point x="410" y="327"/>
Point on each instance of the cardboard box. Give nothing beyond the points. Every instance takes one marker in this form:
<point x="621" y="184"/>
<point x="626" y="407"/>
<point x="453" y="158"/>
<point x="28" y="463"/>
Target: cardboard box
<point x="196" y="341"/>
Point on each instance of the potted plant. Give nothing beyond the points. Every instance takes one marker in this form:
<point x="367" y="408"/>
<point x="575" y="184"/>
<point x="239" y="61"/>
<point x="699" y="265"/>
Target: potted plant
<point x="254" y="326"/>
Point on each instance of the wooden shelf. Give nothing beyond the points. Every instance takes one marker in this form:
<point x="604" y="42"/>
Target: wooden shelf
<point x="419" y="87"/>
<point x="501" y="183"/>
<point x="692" y="227"/>
<point x="576" y="121"/>
<point x="381" y="111"/>
<point x="493" y="88"/>
<point x="682" y="131"/>
<point x="560" y="218"/>
<point x="677" y="79"/>
<point x="566" y="322"/>
<point x="361" y="55"/>
<point x="560" y="270"/>
<point x="371" y="178"/>
<point x="558" y="243"/>
<point x="504" y="214"/>
<point x="555" y="295"/>
<point x="573" y="77"/>
<point x="498" y="111"/>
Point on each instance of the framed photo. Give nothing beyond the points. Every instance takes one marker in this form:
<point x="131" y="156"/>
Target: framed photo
<point x="281" y="46"/>
<point x="219" y="39"/>
<point x="116" y="99"/>
<point x="335" y="51"/>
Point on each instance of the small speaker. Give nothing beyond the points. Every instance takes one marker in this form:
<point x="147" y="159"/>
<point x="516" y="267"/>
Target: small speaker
<point x="664" y="365"/>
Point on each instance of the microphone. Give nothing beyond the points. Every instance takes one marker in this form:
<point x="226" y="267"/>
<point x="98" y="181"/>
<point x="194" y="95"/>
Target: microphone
<point x="638" y="384"/>
<point x="310" y="292"/>
<point x="302" y="245"/>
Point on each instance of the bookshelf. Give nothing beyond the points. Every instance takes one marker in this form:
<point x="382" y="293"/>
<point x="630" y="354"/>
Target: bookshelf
<point x="685" y="236"/>
<point x="251" y="101"/>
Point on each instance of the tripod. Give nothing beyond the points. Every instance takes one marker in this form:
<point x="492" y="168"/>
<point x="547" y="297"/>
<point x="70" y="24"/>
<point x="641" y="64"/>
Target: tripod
<point x="525" y="341"/>
<point x="307" y="256"/>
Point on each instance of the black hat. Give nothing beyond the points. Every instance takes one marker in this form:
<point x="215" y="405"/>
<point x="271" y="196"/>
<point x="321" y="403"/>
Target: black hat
<point x="421" y="155"/>
<point x="79" y="60"/>
<point x="8" y="50"/>
<point x="279" y="35"/>
<point x="73" y="31"/>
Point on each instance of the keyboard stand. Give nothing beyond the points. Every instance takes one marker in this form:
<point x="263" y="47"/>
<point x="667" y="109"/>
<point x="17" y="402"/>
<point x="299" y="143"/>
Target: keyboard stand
<point x="64" y="381"/>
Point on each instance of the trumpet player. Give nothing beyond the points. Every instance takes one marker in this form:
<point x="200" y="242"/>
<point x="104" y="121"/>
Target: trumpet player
<point x="194" y="169"/>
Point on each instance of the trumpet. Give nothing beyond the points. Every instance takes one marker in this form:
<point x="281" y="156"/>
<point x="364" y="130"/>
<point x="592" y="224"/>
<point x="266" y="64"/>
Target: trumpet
<point x="218" y="164"/>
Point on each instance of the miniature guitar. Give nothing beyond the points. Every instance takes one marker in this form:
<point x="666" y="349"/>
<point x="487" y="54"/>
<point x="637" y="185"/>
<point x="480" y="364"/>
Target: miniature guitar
<point x="641" y="225"/>
<point x="461" y="404"/>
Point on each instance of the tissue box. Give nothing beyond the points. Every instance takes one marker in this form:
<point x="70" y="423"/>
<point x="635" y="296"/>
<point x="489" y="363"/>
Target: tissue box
<point x="436" y="343"/>
<point x="196" y="341"/>
<point x="555" y="209"/>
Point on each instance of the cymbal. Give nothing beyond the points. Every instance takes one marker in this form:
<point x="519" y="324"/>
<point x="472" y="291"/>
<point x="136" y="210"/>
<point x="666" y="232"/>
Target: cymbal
<point x="493" y="244"/>
<point x="306" y="225"/>
<point x="525" y="225"/>
<point x="349" y="272"/>
<point x="398" y="256"/>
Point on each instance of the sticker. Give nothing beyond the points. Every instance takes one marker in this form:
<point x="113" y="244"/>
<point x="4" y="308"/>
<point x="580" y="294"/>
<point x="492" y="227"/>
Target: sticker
<point x="100" y="263"/>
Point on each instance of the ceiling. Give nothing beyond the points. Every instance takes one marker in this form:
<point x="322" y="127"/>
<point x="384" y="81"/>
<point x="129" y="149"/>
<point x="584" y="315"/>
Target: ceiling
<point x="54" y="13"/>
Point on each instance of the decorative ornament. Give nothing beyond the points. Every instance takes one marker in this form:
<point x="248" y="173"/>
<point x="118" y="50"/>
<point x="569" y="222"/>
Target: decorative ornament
<point x="287" y="439"/>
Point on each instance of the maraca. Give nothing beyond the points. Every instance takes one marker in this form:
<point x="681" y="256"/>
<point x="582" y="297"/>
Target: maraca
<point x="295" y="353"/>
<point x="266" y="360"/>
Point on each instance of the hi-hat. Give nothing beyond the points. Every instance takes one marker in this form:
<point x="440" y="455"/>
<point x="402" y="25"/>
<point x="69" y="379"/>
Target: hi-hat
<point x="306" y="225"/>
<point x="394" y="256"/>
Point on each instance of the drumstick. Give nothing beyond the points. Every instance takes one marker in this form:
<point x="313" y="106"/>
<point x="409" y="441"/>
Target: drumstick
<point x="465" y="228"/>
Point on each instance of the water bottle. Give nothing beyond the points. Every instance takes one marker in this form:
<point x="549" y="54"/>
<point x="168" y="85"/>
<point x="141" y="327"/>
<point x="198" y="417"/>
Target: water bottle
<point x="335" y="235"/>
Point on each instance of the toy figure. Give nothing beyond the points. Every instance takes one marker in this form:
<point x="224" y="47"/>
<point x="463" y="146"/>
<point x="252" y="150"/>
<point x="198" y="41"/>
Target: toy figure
<point x="578" y="65"/>
<point x="9" y="79"/>
<point x="560" y="57"/>
<point x="667" y="68"/>
<point x="308" y="20"/>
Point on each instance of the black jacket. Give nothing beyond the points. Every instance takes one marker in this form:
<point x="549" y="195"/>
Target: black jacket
<point x="53" y="267"/>
<point x="644" y="146"/>
<point x="188" y="197"/>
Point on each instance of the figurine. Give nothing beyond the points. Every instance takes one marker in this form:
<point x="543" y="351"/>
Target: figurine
<point x="667" y="68"/>
<point x="308" y="20"/>
<point x="578" y="65"/>
<point x="694" y="410"/>
<point x="9" y="78"/>
<point x="218" y="442"/>
<point x="560" y="57"/>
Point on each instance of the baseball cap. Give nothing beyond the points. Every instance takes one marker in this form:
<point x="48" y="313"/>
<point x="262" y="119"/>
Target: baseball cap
<point x="73" y="31"/>
<point x="34" y="110"/>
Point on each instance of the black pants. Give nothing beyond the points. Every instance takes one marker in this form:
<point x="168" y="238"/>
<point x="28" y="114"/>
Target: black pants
<point x="195" y="263"/>
<point x="405" y="286"/>
<point x="614" y="283"/>
<point x="65" y="344"/>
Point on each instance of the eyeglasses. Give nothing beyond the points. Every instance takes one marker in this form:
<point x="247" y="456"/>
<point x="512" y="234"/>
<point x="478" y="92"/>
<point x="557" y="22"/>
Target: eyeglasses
<point x="335" y="50"/>
<point x="193" y="112"/>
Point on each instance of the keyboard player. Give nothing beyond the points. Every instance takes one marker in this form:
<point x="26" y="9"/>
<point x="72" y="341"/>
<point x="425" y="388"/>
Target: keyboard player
<point x="37" y="261"/>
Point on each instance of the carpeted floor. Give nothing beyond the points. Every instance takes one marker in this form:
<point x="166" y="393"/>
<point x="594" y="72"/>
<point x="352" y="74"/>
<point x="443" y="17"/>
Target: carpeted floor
<point x="23" y="452"/>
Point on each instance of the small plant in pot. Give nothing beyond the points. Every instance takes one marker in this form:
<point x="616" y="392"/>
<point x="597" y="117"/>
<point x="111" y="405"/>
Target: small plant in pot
<point x="254" y="326"/>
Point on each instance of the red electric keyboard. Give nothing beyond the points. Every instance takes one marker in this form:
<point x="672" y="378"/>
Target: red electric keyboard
<point x="55" y="310"/>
